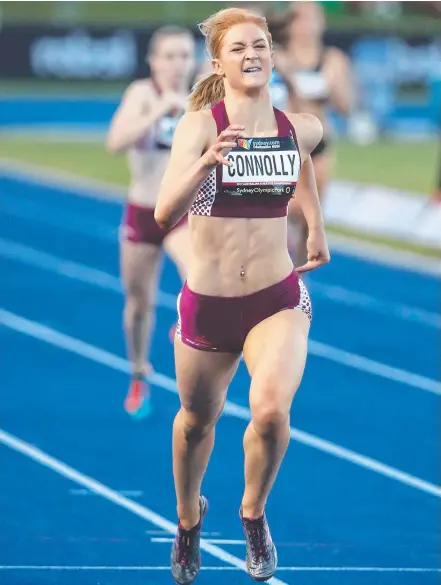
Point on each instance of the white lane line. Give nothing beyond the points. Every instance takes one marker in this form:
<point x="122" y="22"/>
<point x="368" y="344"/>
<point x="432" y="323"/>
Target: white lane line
<point x="358" y="362"/>
<point x="351" y="298"/>
<point x="73" y="270"/>
<point x="82" y="492"/>
<point x="213" y="568"/>
<point x="113" y="496"/>
<point x="105" y="281"/>
<point x="232" y="541"/>
<point x="98" y="355"/>
<point x="158" y="533"/>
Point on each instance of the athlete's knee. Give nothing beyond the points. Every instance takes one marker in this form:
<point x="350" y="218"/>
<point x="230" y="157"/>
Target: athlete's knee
<point x="269" y="420"/>
<point x="195" y="430"/>
<point x="270" y="414"/>
<point x="138" y="299"/>
<point x="197" y="424"/>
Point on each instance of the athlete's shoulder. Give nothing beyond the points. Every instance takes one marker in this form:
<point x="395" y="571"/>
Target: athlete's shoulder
<point x="331" y="51"/>
<point x="195" y="127"/>
<point x="197" y="120"/>
<point x="336" y="57"/>
<point x="309" y="129"/>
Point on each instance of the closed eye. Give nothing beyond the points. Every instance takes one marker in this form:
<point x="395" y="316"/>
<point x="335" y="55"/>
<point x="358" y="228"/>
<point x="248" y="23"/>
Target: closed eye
<point x="242" y="47"/>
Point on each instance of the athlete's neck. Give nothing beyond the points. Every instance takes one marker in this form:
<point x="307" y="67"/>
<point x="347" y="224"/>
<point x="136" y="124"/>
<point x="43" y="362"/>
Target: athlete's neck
<point x="305" y="50"/>
<point x="254" y="112"/>
<point x="163" y="85"/>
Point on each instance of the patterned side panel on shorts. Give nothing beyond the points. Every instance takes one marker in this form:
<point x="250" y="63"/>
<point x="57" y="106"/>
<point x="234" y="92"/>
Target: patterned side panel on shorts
<point x="178" y="332"/>
<point x="305" y="304"/>
<point x="206" y="196"/>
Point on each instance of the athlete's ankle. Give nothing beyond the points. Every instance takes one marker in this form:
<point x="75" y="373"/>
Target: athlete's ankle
<point x="189" y="518"/>
<point x="252" y="511"/>
<point x="140" y="371"/>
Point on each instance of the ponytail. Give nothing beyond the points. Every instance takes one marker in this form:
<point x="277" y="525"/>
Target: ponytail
<point x="208" y="91"/>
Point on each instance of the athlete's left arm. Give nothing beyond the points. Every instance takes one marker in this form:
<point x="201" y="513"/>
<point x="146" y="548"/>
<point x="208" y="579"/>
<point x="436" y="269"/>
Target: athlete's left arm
<point x="341" y="82"/>
<point x="309" y="133"/>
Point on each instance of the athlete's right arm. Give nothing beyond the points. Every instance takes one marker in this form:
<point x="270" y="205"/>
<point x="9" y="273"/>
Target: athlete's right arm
<point x="192" y="160"/>
<point x="131" y="121"/>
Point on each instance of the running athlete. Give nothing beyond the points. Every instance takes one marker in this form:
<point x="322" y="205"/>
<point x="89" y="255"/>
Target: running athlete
<point x="234" y="168"/>
<point x="143" y="127"/>
<point x="315" y="77"/>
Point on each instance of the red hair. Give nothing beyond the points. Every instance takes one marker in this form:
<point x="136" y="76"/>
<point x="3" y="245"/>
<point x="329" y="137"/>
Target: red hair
<point x="210" y="89"/>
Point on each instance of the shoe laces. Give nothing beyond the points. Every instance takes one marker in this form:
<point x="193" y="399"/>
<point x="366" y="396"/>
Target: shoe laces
<point x="257" y="538"/>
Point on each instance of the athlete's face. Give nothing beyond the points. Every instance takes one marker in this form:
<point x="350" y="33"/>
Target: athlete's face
<point x="173" y="59"/>
<point x="245" y="58"/>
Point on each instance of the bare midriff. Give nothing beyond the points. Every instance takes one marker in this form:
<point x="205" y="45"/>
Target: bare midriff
<point x="235" y="256"/>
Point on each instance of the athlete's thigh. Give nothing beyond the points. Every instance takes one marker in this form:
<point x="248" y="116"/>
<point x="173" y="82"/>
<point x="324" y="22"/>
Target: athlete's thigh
<point x="275" y="354"/>
<point x="203" y="377"/>
<point x="177" y="246"/>
<point x="140" y="265"/>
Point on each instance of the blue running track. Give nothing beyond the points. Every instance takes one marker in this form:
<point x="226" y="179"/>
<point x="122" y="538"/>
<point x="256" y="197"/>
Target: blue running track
<point x="86" y="493"/>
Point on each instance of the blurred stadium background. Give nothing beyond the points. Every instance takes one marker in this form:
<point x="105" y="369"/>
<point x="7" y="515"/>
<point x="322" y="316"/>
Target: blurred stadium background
<point x="371" y="386"/>
<point x="68" y="63"/>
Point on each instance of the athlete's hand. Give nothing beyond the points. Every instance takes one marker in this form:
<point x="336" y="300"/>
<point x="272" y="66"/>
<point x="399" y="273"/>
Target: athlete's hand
<point x="226" y="140"/>
<point x="318" y="251"/>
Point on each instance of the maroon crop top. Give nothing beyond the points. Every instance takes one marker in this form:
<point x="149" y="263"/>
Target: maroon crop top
<point x="262" y="179"/>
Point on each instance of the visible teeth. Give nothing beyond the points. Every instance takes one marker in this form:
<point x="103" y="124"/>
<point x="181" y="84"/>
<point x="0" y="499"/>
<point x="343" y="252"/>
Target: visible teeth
<point x="252" y="69"/>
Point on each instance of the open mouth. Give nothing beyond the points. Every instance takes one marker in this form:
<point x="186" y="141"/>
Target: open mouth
<point x="252" y="70"/>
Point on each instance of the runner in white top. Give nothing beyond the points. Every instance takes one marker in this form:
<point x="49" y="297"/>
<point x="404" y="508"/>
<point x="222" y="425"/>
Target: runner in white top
<point x="316" y="77"/>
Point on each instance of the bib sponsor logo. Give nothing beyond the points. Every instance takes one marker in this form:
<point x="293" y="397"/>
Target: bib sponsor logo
<point x="266" y="144"/>
<point x="245" y="143"/>
<point x="256" y="144"/>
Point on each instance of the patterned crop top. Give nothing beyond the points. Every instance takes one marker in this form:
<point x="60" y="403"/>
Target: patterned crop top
<point x="262" y="179"/>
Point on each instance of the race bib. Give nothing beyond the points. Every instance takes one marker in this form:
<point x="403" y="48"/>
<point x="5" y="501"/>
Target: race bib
<point x="267" y="166"/>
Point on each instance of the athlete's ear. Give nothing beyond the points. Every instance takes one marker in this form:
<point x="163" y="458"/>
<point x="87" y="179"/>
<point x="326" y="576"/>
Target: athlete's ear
<point x="217" y="67"/>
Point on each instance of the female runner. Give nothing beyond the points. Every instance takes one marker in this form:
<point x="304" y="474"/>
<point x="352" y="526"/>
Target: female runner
<point x="234" y="168"/>
<point x="143" y="127"/>
<point x="315" y="77"/>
